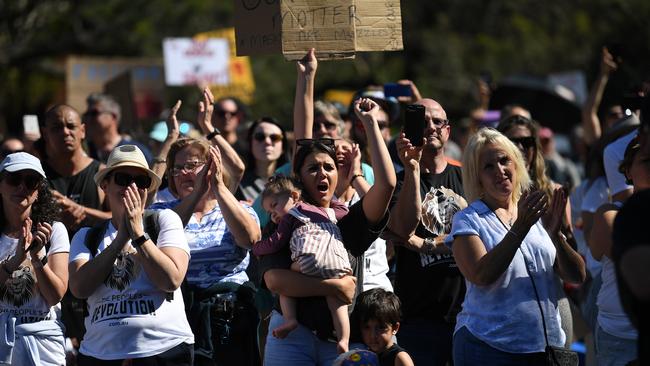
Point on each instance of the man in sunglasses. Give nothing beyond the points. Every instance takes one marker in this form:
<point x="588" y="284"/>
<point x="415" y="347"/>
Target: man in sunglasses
<point x="228" y="115"/>
<point x="428" y="281"/>
<point x="102" y="119"/>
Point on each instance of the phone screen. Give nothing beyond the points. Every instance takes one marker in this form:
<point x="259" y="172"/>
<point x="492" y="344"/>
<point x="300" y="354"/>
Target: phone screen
<point x="397" y="90"/>
<point x="414" y="124"/>
<point x="30" y="125"/>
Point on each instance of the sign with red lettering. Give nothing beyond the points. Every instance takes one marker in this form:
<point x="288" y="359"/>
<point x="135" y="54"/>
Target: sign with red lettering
<point x="196" y="62"/>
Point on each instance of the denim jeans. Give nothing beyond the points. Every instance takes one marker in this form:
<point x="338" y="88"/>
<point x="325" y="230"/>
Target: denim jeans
<point x="470" y="351"/>
<point x="300" y="348"/>
<point x="612" y="350"/>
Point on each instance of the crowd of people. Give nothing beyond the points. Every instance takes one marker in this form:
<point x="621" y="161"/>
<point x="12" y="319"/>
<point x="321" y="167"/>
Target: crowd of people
<point x="237" y="242"/>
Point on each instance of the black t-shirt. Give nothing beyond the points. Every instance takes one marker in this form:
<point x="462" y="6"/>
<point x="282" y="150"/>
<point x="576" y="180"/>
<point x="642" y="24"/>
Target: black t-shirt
<point x="358" y="235"/>
<point x="430" y="286"/>
<point x="80" y="188"/>
<point x="387" y="358"/>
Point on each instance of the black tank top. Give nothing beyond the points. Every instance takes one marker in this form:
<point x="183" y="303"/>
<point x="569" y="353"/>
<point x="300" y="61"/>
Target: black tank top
<point x="80" y="188"/>
<point x="387" y="358"/>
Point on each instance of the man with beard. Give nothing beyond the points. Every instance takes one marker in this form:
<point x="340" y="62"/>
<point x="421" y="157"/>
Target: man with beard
<point x="428" y="282"/>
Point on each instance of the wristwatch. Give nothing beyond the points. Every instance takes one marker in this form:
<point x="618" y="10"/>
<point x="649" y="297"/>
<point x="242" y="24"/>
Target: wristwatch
<point x="212" y="134"/>
<point x="429" y="245"/>
<point x="141" y="240"/>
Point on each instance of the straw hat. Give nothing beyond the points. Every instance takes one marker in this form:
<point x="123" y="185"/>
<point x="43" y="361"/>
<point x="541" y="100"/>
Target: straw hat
<point x="125" y="156"/>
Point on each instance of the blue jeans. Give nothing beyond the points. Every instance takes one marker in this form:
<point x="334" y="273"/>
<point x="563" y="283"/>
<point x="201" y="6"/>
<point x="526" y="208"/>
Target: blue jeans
<point x="300" y="348"/>
<point x="612" y="350"/>
<point x="470" y="351"/>
<point x="427" y="342"/>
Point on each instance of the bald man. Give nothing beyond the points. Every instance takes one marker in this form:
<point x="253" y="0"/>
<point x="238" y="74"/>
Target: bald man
<point x="69" y="170"/>
<point x="429" y="283"/>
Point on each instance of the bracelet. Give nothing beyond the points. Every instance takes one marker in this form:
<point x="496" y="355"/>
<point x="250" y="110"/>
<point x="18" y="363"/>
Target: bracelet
<point x="429" y="245"/>
<point x="212" y="134"/>
<point x="355" y="177"/>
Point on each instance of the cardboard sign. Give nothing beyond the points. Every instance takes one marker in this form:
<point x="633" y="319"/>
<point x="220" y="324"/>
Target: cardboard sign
<point x="242" y="84"/>
<point x="191" y="62"/>
<point x="336" y="28"/>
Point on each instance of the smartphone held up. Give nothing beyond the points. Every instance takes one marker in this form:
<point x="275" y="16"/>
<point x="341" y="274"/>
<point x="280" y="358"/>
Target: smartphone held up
<point x="414" y="124"/>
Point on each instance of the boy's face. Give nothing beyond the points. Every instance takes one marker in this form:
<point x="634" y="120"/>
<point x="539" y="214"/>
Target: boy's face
<point x="378" y="337"/>
<point x="278" y="205"/>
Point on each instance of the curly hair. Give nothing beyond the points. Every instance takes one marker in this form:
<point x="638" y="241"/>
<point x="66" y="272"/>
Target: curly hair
<point x="537" y="168"/>
<point x="44" y="209"/>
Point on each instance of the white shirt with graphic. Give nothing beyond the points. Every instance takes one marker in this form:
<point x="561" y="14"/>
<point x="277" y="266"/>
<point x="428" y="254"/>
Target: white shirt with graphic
<point x="19" y="295"/>
<point x="129" y="317"/>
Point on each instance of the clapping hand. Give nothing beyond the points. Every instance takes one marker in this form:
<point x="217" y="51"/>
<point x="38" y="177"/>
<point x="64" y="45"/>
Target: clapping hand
<point x="557" y="209"/>
<point x="134" y="201"/>
<point x="40" y="237"/>
<point x="530" y="208"/>
<point x="173" y="130"/>
<point x="206" y="108"/>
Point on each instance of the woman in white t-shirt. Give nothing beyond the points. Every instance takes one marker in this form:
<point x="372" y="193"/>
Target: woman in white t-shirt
<point x="615" y="336"/>
<point x="34" y="252"/>
<point x="130" y="272"/>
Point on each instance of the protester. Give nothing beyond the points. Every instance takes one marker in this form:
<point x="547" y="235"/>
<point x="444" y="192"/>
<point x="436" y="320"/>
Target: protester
<point x="34" y="252"/>
<point x="311" y="234"/>
<point x="268" y="146"/>
<point x="130" y="269"/>
<point x="616" y="338"/>
<point x="102" y="118"/>
<point x="379" y="315"/>
<point x="229" y="114"/>
<point x="220" y="231"/>
<point x="428" y="193"/>
<point x="508" y="259"/>
<point x="315" y="168"/>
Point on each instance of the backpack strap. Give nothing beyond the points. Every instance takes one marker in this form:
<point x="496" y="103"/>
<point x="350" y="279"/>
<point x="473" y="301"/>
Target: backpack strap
<point x="151" y="224"/>
<point x="94" y="236"/>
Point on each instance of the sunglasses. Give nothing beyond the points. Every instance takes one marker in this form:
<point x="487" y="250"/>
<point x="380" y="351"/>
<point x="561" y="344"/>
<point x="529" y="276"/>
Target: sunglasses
<point x="222" y="113"/>
<point x="31" y="181"/>
<point x="311" y="142"/>
<point x="261" y="137"/>
<point x="125" y="180"/>
<point x="187" y="167"/>
<point x="329" y="126"/>
<point x="94" y="113"/>
<point x="439" y="122"/>
<point x="525" y="142"/>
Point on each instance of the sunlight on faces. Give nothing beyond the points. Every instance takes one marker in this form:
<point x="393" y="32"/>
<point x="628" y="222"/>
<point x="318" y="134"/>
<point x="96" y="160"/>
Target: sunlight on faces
<point x="266" y="150"/>
<point x="115" y="192"/>
<point x="343" y="147"/>
<point x="15" y="191"/>
<point x="496" y="173"/>
<point x="319" y="176"/>
<point x="520" y="131"/>
<point x="63" y="131"/>
<point x="184" y="182"/>
<point x="378" y="337"/>
<point x="436" y="136"/>
<point x="279" y="204"/>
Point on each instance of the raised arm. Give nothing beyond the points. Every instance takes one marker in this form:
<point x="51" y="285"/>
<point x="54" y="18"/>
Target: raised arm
<point x="482" y="267"/>
<point x="378" y="196"/>
<point x="590" y="121"/>
<point x="303" y="106"/>
<point x="229" y="156"/>
<point x="241" y="224"/>
<point x="173" y="132"/>
<point x="407" y="211"/>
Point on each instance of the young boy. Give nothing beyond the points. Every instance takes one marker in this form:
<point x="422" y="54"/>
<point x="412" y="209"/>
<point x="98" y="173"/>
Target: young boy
<point x="379" y="313"/>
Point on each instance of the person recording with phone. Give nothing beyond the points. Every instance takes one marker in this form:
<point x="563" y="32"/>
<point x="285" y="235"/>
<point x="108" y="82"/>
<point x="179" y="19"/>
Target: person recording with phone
<point x="428" y="281"/>
<point x="33" y="277"/>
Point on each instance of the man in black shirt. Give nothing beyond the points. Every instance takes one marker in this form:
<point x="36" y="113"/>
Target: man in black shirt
<point x="429" y="191"/>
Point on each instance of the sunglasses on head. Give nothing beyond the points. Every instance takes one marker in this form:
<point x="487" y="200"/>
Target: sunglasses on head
<point x="261" y="137"/>
<point x="125" y="180"/>
<point x="31" y="181"/>
<point x="310" y="142"/>
<point x="525" y="142"/>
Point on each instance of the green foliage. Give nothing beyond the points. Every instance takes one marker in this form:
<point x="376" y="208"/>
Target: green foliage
<point x="447" y="44"/>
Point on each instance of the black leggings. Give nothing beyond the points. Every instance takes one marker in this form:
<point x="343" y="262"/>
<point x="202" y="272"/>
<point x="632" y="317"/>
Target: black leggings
<point x="181" y="355"/>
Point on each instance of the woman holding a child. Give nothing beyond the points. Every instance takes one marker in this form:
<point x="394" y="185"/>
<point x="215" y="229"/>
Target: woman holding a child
<point x="315" y="170"/>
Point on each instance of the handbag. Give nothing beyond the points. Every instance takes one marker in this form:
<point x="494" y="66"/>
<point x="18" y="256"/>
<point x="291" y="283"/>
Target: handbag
<point x="555" y="356"/>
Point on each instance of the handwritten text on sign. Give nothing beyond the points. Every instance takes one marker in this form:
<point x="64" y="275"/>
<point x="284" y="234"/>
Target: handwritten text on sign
<point x="191" y="62"/>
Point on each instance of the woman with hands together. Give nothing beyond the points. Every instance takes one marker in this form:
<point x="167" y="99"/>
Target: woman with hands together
<point x="34" y="253"/>
<point x="501" y="247"/>
<point x="131" y="273"/>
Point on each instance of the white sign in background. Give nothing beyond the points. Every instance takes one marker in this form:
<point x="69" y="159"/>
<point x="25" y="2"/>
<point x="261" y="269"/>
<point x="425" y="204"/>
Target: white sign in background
<point x="192" y="62"/>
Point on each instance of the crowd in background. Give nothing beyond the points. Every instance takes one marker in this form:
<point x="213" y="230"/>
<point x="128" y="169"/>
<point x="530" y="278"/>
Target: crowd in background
<point x="233" y="240"/>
